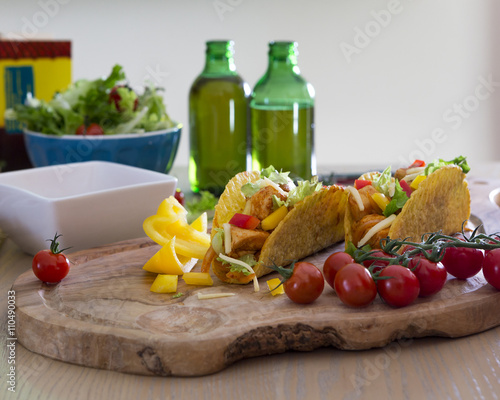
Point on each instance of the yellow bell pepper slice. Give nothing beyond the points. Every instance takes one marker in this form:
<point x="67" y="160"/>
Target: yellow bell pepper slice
<point x="381" y="200"/>
<point x="201" y="223"/>
<point x="416" y="182"/>
<point x="166" y="261"/>
<point x="156" y="227"/>
<point x="198" y="278"/>
<point x="165" y="284"/>
<point x="275" y="287"/>
<point x="272" y="220"/>
<point x="182" y="230"/>
<point x="171" y="206"/>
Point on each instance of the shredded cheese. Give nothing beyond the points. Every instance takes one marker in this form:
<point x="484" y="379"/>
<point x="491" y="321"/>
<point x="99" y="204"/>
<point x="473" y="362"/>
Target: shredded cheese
<point x="416" y="170"/>
<point x="227" y="238"/>
<point x="357" y="197"/>
<point x="376" y="228"/>
<point x="410" y="177"/>
<point x="244" y="265"/>
<point x="202" y="296"/>
<point x="391" y="189"/>
<point x="274" y="185"/>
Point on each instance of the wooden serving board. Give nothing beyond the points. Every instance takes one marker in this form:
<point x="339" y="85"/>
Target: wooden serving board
<point x="103" y="315"/>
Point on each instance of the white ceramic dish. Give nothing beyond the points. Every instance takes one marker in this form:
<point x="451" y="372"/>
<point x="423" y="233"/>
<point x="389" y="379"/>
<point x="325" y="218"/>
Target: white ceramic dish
<point x="90" y="203"/>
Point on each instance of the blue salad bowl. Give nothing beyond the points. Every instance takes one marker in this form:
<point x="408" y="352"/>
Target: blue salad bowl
<point x="154" y="151"/>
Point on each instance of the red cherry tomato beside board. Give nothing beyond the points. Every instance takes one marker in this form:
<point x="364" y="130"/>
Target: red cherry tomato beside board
<point x="51" y="265"/>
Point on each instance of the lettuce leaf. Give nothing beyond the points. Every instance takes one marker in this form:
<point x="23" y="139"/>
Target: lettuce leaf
<point x="398" y="200"/>
<point x="302" y="190"/>
<point x="383" y="182"/>
<point x="280" y="178"/>
<point x="218" y="240"/>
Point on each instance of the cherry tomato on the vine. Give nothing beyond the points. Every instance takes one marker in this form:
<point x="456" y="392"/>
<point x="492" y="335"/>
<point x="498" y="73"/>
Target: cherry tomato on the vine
<point x="401" y="287"/>
<point x="463" y="262"/>
<point x="355" y="286"/>
<point x="334" y="263"/>
<point x="379" y="264"/>
<point x="305" y="284"/>
<point x="431" y="276"/>
<point x="491" y="268"/>
<point x="51" y="265"/>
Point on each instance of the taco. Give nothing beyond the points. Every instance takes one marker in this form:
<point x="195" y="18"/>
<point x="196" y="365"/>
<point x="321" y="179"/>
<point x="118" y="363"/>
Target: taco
<point x="263" y="218"/>
<point x="415" y="201"/>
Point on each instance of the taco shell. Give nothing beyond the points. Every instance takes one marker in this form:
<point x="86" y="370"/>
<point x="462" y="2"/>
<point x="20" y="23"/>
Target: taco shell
<point x="310" y="226"/>
<point x="441" y="203"/>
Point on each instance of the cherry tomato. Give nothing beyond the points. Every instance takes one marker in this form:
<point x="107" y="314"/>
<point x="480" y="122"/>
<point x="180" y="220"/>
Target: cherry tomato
<point x="431" y="276"/>
<point x="179" y="196"/>
<point x="333" y="264"/>
<point x="306" y="283"/>
<point x="401" y="288"/>
<point x="463" y="262"/>
<point x="91" y="130"/>
<point x="355" y="286"/>
<point x="379" y="263"/>
<point x="491" y="268"/>
<point x="51" y="265"/>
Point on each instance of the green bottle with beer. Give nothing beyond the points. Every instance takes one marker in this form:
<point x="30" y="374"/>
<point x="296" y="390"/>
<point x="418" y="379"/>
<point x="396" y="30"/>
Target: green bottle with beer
<point x="282" y="116"/>
<point x="218" y="121"/>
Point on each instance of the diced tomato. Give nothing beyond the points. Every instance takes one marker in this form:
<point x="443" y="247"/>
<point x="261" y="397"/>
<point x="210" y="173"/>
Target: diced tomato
<point x="361" y="183"/>
<point x="244" y="221"/>
<point x="91" y="130"/>
<point x="406" y="187"/>
<point x="417" y="163"/>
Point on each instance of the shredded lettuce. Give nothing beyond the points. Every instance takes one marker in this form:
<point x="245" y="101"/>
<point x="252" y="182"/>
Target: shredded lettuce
<point x="461" y="161"/>
<point x="397" y="202"/>
<point x="383" y="182"/>
<point x="302" y="190"/>
<point x="218" y="240"/>
<point x="247" y="259"/>
<point x="250" y="188"/>
<point x="280" y="178"/>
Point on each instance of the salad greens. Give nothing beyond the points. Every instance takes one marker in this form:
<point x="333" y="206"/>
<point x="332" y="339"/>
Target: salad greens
<point x="107" y="101"/>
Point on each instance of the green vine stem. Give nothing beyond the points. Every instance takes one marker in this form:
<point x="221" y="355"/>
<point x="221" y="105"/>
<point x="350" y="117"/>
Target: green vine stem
<point x="432" y="246"/>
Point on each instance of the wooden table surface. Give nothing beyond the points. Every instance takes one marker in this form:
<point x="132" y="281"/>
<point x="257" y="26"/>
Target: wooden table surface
<point x="429" y="368"/>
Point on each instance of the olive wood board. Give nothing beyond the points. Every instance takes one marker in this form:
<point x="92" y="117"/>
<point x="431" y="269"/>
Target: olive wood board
<point x="103" y="314"/>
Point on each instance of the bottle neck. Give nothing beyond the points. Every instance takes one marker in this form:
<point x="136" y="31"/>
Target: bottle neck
<point x="283" y="58"/>
<point x="219" y="58"/>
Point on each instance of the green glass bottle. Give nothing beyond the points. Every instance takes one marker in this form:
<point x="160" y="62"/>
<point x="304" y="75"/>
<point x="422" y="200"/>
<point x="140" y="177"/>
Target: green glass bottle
<point x="282" y="116"/>
<point x="218" y="121"/>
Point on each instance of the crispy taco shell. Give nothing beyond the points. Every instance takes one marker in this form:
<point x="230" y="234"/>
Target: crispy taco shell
<point x="441" y="203"/>
<point x="310" y="226"/>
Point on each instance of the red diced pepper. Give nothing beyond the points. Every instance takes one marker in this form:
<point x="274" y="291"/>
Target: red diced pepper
<point x="244" y="221"/>
<point x="406" y="187"/>
<point x="417" y="163"/>
<point x="361" y="183"/>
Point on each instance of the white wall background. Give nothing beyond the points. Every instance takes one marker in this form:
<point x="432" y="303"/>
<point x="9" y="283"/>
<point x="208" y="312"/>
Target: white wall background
<point x="423" y="85"/>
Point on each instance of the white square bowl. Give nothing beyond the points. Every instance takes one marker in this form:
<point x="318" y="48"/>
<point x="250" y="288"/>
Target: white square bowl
<point x="90" y="203"/>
